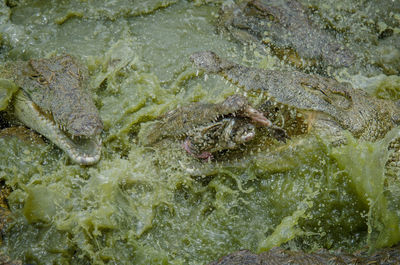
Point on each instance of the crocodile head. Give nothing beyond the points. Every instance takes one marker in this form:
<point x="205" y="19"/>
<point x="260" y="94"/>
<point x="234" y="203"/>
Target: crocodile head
<point x="284" y="26"/>
<point x="53" y="102"/>
<point x="206" y="129"/>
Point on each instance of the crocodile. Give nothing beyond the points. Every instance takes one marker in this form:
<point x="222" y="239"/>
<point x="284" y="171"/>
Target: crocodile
<point x="285" y="27"/>
<point x="325" y="105"/>
<point x="295" y="103"/>
<point x="207" y="128"/>
<point x="50" y="99"/>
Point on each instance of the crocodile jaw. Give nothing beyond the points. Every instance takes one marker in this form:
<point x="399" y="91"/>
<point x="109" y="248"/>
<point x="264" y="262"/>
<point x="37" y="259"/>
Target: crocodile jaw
<point x="84" y="151"/>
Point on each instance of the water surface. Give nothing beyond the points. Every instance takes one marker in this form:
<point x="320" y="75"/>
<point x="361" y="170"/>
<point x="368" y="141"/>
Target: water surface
<point x="143" y="204"/>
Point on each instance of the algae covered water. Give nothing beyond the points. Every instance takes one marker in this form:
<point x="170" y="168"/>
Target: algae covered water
<point x="155" y="204"/>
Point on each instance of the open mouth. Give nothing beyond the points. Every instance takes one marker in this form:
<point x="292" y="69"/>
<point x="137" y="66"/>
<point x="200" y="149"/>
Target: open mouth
<point x="226" y="132"/>
<point x="82" y="150"/>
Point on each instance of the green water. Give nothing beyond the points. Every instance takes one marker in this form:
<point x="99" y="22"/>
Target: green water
<point x="155" y="204"/>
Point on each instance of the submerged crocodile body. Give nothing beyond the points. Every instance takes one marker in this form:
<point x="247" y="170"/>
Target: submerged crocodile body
<point x="276" y="256"/>
<point x="53" y="102"/>
<point x="284" y="26"/>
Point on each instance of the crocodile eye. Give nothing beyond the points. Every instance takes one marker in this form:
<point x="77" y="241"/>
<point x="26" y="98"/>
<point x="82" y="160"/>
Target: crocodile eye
<point x="260" y="11"/>
<point x="42" y="80"/>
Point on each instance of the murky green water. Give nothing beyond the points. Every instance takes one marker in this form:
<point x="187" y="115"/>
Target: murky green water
<point x="143" y="204"/>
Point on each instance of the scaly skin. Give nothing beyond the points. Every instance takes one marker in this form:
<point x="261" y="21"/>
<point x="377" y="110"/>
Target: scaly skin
<point x="52" y="102"/>
<point x="210" y="128"/>
<point x="388" y="256"/>
<point x="284" y="26"/>
<point x="328" y="106"/>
